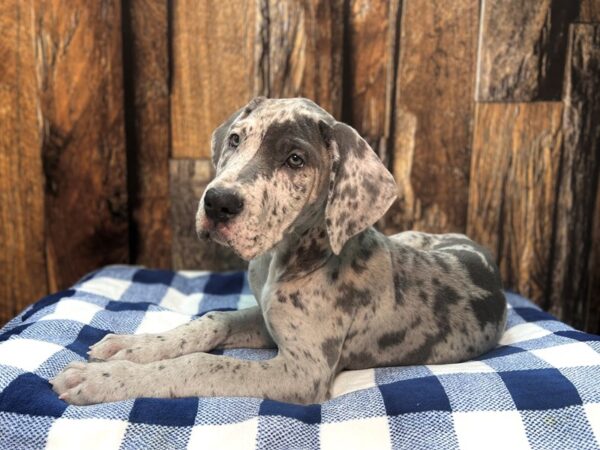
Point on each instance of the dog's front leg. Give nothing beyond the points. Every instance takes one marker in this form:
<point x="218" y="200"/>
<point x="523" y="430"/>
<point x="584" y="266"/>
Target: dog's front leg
<point x="243" y="328"/>
<point x="299" y="379"/>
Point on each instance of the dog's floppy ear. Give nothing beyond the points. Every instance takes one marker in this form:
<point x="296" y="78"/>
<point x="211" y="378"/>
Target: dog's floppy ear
<point x="360" y="188"/>
<point x="222" y="131"/>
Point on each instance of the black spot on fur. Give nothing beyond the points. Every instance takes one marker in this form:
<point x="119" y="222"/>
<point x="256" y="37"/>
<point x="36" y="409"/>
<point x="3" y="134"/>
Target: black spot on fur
<point x="359" y="360"/>
<point x="296" y="300"/>
<point x="480" y="275"/>
<point x="351" y="227"/>
<point x="421" y="354"/>
<point x="350" y="298"/>
<point x="364" y="252"/>
<point x="280" y="297"/>
<point x="401" y="286"/>
<point x="443" y="264"/>
<point x="445" y="296"/>
<point x="390" y="339"/>
<point x="371" y="188"/>
<point x="341" y="218"/>
<point x="316" y="386"/>
<point x="489" y="310"/>
<point x="357" y="265"/>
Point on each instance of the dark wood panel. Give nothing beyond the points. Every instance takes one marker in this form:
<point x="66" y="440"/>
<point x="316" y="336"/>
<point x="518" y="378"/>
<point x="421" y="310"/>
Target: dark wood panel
<point x="146" y="59"/>
<point x="589" y="11"/>
<point x="580" y="167"/>
<point x="512" y="197"/>
<point x="299" y="52"/>
<point x="22" y="259"/>
<point x="79" y="63"/>
<point x="522" y="49"/>
<point x="433" y="114"/>
<point x="371" y="36"/>
<point x="213" y="69"/>
<point x="188" y="181"/>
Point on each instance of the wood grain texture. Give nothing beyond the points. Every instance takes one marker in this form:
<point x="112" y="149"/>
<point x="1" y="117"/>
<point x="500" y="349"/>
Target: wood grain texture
<point x="213" y="69"/>
<point x="369" y="70"/>
<point x="299" y="52"/>
<point x="589" y="11"/>
<point x="146" y="59"/>
<point x="433" y="114"/>
<point x="580" y="167"/>
<point x="522" y="49"/>
<point x="512" y="196"/>
<point x="188" y="181"/>
<point x="80" y="74"/>
<point x="22" y="259"/>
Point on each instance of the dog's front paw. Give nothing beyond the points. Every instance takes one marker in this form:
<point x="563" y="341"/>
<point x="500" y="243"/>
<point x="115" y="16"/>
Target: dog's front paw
<point x="89" y="383"/>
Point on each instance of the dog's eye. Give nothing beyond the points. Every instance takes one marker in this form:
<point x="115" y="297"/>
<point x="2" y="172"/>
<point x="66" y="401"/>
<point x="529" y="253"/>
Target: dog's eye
<point x="234" y="140"/>
<point x="294" y="161"/>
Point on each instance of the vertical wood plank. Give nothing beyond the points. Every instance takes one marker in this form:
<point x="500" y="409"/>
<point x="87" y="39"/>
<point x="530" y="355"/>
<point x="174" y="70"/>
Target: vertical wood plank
<point x="522" y="49"/>
<point x="589" y="11"/>
<point x="512" y="196"/>
<point x="433" y="114"/>
<point x="300" y="51"/>
<point x="146" y="59"/>
<point x="213" y="62"/>
<point x="188" y="181"/>
<point x="22" y="260"/>
<point x="79" y="63"/>
<point x="369" y="58"/>
<point x="580" y="167"/>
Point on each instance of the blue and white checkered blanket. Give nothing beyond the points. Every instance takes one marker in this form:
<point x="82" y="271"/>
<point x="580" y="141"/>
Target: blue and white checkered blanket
<point x="539" y="389"/>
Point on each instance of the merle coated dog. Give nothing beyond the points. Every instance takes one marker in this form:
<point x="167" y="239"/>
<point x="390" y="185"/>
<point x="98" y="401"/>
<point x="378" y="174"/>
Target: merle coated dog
<point x="297" y="193"/>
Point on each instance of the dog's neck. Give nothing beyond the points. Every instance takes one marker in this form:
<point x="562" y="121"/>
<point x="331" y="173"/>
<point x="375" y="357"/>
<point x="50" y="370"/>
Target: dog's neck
<point x="302" y="251"/>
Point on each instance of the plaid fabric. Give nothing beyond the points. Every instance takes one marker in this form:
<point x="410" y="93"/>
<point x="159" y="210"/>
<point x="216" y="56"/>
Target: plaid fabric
<point x="539" y="389"/>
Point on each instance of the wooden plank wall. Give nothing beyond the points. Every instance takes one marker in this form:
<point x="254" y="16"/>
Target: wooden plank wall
<point x="486" y="113"/>
<point x="62" y="155"/>
<point x="22" y="258"/>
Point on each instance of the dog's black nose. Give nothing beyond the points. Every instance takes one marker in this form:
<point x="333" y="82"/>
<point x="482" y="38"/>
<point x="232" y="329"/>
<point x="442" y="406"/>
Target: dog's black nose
<point x="221" y="205"/>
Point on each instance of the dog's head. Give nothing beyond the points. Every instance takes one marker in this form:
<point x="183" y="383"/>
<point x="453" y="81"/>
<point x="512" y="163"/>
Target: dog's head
<point x="282" y="164"/>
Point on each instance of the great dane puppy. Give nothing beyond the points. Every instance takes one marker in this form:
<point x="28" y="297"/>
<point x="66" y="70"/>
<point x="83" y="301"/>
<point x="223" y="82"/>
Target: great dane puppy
<point x="297" y="193"/>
